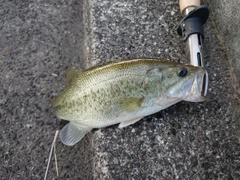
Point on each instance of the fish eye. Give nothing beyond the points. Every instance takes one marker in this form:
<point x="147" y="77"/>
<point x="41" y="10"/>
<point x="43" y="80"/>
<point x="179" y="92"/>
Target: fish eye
<point x="183" y="72"/>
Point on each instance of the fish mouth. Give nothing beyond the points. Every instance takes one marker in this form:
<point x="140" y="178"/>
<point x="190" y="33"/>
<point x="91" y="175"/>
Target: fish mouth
<point x="196" y="89"/>
<point x="200" y="87"/>
<point x="204" y="84"/>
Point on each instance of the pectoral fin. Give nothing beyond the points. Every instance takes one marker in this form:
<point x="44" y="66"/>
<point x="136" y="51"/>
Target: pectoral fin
<point x="72" y="133"/>
<point x="131" y="104"/>
<point x="127" y="123"/>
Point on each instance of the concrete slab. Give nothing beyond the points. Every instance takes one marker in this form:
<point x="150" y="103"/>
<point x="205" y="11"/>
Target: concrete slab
<point x="226" y="18"/>
<point x="186" y="141"/>
<point x="39" y="41"/>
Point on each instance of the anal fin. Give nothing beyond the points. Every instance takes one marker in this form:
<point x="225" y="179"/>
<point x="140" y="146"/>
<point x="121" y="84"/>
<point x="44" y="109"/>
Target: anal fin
<point x="72" y="133"/>
<point x="129" y="122"/>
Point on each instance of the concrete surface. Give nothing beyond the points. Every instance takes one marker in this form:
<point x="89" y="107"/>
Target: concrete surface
<point x="186" y="141"/>
<point x="41" y="39"/>
<point x="226" y="15"/>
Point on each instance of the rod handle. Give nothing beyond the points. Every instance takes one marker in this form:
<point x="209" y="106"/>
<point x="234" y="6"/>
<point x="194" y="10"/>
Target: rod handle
<point x="188" y="3"/>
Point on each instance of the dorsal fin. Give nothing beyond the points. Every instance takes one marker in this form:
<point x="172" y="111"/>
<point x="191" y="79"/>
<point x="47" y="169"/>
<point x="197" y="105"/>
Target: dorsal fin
<point x="70" y="74"/>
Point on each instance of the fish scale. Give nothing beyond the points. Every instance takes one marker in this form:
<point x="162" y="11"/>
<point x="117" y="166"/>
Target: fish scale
<point x="123" y="92"/>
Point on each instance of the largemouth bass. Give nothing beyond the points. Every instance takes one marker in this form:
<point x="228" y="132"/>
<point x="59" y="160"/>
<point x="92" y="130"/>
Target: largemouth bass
<point x="124" y="92"/>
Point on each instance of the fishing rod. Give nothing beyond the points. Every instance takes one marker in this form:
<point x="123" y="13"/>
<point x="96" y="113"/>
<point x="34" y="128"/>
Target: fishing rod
<point x="191" y="29"/>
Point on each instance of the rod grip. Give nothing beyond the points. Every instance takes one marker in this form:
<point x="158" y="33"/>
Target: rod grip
<point x="188" y="3"/>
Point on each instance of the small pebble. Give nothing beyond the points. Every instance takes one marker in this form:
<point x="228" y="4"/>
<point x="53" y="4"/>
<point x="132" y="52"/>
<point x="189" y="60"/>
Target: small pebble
<point x="55" y="75"/>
